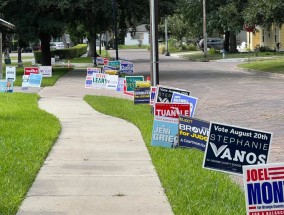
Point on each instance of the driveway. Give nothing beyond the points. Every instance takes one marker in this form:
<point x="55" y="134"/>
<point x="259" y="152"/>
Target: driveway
<point x="225" y="94"/>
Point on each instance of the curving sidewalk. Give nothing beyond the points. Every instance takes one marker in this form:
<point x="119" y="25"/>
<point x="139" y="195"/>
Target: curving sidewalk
<point x="98" y="166"/>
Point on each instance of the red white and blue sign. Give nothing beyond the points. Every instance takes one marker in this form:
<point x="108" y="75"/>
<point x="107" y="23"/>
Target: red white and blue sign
<point x="171" y="110"/>
<point x="229" y="148"/>
<point x="164" y="94"/>
<point x="264" y="189"/>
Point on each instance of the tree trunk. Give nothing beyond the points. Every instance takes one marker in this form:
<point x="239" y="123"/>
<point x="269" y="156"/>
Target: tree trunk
<point x="92" y="47"/>
<point x="227" y="41"/>
<point x="19" y="54"/>
<point x="233" y="42"/>
<point x="45" y="49"/>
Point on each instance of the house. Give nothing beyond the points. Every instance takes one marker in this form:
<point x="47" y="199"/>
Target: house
<point x="269" y="37"/>
<point x="141" y="36"/>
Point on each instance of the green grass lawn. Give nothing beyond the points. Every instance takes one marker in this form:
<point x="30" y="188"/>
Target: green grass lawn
<point x="57" y="72"/>
<point x="27" y="134"/>
<point x="190" y="189"/>
<point x="275" y="66"/>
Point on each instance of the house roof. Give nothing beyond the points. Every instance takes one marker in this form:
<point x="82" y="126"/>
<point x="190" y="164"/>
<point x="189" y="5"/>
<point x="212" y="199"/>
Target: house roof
<point x="6" y="26"/>
<point x="141" y="28"/>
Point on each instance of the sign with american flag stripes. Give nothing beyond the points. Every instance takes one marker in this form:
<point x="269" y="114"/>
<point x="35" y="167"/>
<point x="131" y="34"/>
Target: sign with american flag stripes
<point x="264" y="189"/>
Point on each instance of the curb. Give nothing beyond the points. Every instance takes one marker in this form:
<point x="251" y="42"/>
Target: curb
<point x="268" y="74"/>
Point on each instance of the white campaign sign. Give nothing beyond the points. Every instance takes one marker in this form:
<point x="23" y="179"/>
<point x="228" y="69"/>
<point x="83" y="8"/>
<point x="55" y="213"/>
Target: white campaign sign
<point x="46" y="71"/>
<point x="11" y="73"/>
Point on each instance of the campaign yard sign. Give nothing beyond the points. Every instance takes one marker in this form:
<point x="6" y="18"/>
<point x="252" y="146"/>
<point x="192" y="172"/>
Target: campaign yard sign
<point x="165" y="132"/>
<point x="89" y="82"/>
<point x="25" y="82"/>
<point x="142" y="95"/>
<point x="130" y="93"/>
<point x="181" y="98"/>
<point x="264" y="189"/>
<point x="152" y="95"/>
<point x="99" y="80"/>
<point x="112" y="81"/>
<point x="30" y="70"/>
<point x="100" y="61"/>
<point x="229" y="148"/>
<point x="193" y="133"/>
<point x="171" y="110"/>
<point x="92" y="71"/>
<point x="3" y="86"/>
<point x="115" y="64"/>
<point x="143" y="84"/>
<point x="105" y="68"/>
<point x="164" y="94"/>
<point x="35" y="80"/>
<point x="11" y="73"/>
<point x="111" y="72"/>
<point x="131" y="82"/>
<point x="126" y="67"/>
<point x="120" y="84"/>
<point x="46" y="71"/>
<point x="106" y="60"/>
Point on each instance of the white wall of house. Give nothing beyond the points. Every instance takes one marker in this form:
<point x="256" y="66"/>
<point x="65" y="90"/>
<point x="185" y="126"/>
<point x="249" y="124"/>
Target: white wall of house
<point x="139" y="36"/>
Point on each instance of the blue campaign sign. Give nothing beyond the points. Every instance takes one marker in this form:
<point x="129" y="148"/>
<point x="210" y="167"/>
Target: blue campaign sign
<point x="105" y="68"/>
<point x="3" y="86"/>
<point x="126" y="67"/>
<point x="165" y="132"/>
<point x="120" y="85"/>
<point x="142" y="95"/>
<point x="229" y="148"/>
<point x="165" y="94"/>
<point x="35" y="80"/>
<point x="181" y="98"/>
<point x="193" y="133"/>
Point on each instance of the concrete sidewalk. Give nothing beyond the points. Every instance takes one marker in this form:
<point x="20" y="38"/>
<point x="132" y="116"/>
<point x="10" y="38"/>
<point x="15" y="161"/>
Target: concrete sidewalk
<point x="99" y="165"/>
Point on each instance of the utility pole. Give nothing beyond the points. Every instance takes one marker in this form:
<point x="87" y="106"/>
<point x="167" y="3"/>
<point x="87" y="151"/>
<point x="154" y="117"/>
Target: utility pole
<point x="1" y="65"/>
<point x="166" y="37"/>
<point x="154" y="42"/>
<point x="204" y="29"/>
<point x="114" y="5"/>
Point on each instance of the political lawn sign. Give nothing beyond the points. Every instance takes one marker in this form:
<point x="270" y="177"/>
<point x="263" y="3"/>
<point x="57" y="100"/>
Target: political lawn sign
<point x="105" y="68"/>
<point x="99" y="80"/>
<point x="115" y="64"/>
<point x="181" y="98"/>
<point x="165" y="132"/>
<point x="11" y="73"/>
<point x="131" y="82"/>
<point x="46" y="71"/>
<point x="3" y="86"/>
<point x="29" y="70"/>
<point x="25" y="82"/>
<point x="264" y="189"/>
<point x="120" y="84"/>
<point x="142" y="95"/>
<point x="35" y="80"/>
<point x="229" y="148"/>
<point x="164" y="94"/>
<point x="100" y="61"/>
<point x="152" y="95"/>
<point x="112" y="81"/>
<point x="171" y="110"/>
<point x="92" y="71"/>
<point x="89" y="82"/>
<point x="193" y="133"/>
<point x="126" y="67"/>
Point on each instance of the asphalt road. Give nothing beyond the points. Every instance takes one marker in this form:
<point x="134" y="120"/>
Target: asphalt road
<point x="225" y="94"/>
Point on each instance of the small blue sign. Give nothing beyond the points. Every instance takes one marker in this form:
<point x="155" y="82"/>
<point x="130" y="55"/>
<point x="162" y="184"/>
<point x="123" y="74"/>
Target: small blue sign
<point x="181" y="98"/>
<point x="142" y="95"/>
<point x="120" y="84"/>
<point x="126" y="67"/>
<point x="35" y="80"/>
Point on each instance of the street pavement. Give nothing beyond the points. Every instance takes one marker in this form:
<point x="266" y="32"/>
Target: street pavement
<point x="81" y="172"/>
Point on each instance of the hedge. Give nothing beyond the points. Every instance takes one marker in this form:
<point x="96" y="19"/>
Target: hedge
<point x="68" y="53"/>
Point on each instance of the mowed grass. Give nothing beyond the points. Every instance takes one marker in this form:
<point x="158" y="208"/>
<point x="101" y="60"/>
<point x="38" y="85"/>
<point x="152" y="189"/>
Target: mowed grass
<point x="57" y="72"/>
<point x="190" y="189"/>
<point x="275" y="66"/>
<point x="26" y="136"/>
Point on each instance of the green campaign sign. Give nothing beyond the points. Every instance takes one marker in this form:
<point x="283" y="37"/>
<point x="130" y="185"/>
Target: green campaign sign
<point x="131" y="82"/>
<point x="115" y="64"/>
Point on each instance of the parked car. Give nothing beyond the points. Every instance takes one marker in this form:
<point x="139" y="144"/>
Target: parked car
<point x="57" y="45"/>
<point x="216" y="43"/>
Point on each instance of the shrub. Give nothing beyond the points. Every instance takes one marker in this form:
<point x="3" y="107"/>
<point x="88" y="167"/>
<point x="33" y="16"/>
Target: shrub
<point x="162" y="49"/>
<point x="212" y="51"/>
<point x="68" y="53"/>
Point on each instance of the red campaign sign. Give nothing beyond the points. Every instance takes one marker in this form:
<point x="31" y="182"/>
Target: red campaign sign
<point x="106" y="61"/>
<point x="172" y="110"/>
<point x="29" y="70"/>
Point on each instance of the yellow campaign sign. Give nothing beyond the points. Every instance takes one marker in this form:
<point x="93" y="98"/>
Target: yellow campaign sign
<point x="111" y="72"/>
<point x="143" y="84"/>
